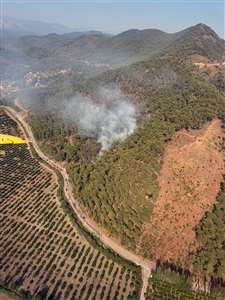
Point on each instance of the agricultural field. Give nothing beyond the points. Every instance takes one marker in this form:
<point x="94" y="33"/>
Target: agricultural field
<point x="8" y="126"/>
<point x="42" y="254"/>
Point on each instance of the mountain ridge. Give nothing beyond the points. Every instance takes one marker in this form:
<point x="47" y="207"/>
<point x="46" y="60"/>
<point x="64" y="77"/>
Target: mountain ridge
<point x="127" y="45"/>
<point x="94" y="48"/>
<point x="18" y="27"/>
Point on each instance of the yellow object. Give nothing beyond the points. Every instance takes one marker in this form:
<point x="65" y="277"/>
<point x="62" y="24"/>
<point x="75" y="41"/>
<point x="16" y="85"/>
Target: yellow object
<point x="10" y="139"/>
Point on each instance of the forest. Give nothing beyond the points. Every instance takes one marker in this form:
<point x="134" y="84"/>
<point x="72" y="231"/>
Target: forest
<point x="171" y="97"/>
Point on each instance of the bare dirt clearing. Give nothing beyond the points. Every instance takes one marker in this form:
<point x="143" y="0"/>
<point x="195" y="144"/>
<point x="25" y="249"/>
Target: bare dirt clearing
<point x="189" y="183"/>
<point x="209" y="68"/>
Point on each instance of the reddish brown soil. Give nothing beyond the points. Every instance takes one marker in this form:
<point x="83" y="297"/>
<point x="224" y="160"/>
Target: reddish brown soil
<point x="196" y="58"/>
<point x="189" y="183"/>
<point x="210" y="68"/>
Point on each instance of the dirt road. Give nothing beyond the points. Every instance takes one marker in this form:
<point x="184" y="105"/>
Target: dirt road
<point x="84" y="219"/>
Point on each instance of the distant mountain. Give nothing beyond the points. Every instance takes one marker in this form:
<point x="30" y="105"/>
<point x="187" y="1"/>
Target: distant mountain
<point x="59" y="51"/>
<point x="128" y="46"/>
<point x="16" y="27"/>
<point x="97" y="47"/>
<point x="93" y="48"/>
<point x="24" y="44"/>
<point x="53" y="41"/>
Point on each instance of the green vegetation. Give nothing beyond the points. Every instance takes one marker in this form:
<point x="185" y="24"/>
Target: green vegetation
<point x="171" y="97"/>
<point x="194" y="40"/>
<point x="116" y="198"/>
<point x="174" y="98"/>
<point x="219" y="80"/>
<point x="94" y="241"/>
<point x="118" y="189"/>
<point x="210" y="259"/>
<point x="159" y="289"/>
<point x="55" y="245"/>
<point x="62" y="141"/>
<point x="172" y="283"/>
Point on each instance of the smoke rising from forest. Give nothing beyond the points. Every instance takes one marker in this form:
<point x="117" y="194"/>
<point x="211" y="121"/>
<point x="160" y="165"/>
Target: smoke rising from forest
<point x="111" y="118"/>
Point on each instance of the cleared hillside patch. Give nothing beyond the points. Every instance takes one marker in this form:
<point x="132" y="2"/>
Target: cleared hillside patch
<point x="193" y="168"/>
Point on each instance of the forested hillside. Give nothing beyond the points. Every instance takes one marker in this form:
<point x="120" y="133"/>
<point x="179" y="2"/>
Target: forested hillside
<point x="119" y="188"/>
<point x="171" y="98"/>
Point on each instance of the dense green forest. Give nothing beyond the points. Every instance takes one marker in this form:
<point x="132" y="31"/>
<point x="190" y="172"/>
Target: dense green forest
<point x="210" y="259"/>
<point x="159" y="289"/>
<point x="174" y="98"/>
<point x="174" y="283"/>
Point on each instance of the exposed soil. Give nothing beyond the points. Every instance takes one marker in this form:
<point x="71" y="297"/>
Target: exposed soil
<point x="189" y="183"/>
<point x="209" y="68"/>
<point x="196" y="58"/>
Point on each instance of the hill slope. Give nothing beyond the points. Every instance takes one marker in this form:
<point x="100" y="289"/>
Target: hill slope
<point x="171" y="98"/>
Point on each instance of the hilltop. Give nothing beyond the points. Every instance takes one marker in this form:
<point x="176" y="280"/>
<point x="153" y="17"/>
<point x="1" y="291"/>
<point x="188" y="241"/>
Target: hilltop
<point x="131" y="45"/>
<point x="97" y="51"/>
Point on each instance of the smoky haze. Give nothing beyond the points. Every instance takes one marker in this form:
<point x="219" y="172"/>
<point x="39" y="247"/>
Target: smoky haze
<point x="110" y="119"/>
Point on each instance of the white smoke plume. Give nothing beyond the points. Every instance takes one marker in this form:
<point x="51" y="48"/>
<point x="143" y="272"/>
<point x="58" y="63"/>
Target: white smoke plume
<point x="111" y="118"/>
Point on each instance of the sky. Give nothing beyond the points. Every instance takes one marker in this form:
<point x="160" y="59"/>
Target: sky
<point x="114" y="16"/>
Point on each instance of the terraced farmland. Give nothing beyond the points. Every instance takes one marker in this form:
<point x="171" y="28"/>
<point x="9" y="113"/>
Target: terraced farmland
<point x="42" y="254"/>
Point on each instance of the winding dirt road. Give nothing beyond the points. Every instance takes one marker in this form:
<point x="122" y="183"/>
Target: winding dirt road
<point x="20" y="118"/>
